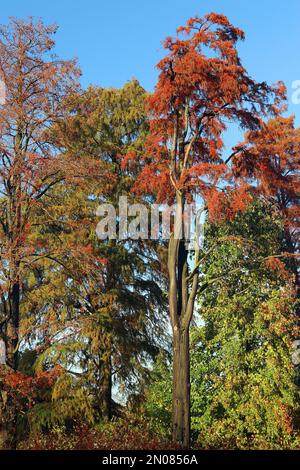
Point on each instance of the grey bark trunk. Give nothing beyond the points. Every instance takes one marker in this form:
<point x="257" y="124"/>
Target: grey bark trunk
<point x="181" y="306"/>
<point x="181" y="388"/>
<point x="106" y="392"/>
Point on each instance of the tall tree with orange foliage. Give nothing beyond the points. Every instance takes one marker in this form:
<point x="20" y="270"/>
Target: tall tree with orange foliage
<point x="201" y="87"/>
<point x="35" y="83"/>
<point x="270" y="159"/>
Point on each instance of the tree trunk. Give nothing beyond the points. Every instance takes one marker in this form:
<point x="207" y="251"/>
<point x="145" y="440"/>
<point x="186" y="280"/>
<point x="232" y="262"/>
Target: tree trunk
<point x="106" y="391"/>
<point x="182" y="294"/>
<point x="12" y="333"/>
<point x="181" y="387"/>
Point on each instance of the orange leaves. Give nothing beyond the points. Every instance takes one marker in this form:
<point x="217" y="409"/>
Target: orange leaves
<point x="270" y="158"/>
<point x="225" y="204"/>
<point x="30" y="386"/>
<point x="19" y="382"/>
<point x="217" y="18"/>
<point x="240" y="198"/>
<point x="202" y="25"/>
<point x="128" y="160"/>
<point x="201" y="87"/>
<point x="216" y="202"/>
<point x="276" y="265"/>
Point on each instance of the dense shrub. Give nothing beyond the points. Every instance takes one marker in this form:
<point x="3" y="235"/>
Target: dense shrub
<point x="124" y="434"/>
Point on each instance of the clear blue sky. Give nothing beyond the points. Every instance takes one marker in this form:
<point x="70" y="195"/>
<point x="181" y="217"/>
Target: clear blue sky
<point x="115" y="40"/>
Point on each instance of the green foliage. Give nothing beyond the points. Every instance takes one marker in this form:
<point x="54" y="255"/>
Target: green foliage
<point x="157" y="404"/>
<point x="243" y="382"/>
<point x="95" y="307"/>
<point x="249" y="324"/>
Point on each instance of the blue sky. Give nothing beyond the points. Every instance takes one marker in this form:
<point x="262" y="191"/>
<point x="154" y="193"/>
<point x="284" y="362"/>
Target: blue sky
<point x="115" y="40"/>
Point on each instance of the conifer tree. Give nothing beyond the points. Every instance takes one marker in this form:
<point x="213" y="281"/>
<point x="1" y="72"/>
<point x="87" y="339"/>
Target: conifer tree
<point x="109" y="300"/>
<point x="201" y="86"/>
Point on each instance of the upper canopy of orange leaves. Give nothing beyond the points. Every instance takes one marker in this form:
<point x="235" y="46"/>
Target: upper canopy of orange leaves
<point x="270" y="158"/>
<point x="201" y="87"/>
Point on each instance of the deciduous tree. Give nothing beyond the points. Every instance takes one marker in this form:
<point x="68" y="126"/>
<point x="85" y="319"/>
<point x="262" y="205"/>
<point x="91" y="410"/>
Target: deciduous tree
<point x="269" y="160"/>
<point x="202" y="86"/>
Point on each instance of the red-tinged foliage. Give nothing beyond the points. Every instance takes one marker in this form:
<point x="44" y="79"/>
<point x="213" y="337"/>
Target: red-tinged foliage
<point x="40" y="89"/>
<point x="224" y="205"/>
<point x="30" y="387"/>
<point x="20" y="393"/>
<point x="269" y="160"/>
<point x="269" y="157"/>
<point x="122" y="434"/>
<point x="202" y="86"/>
<point x="277" y="266"/>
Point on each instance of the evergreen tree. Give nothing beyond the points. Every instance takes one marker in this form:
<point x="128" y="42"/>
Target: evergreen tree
<point x="101" y="302"/>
